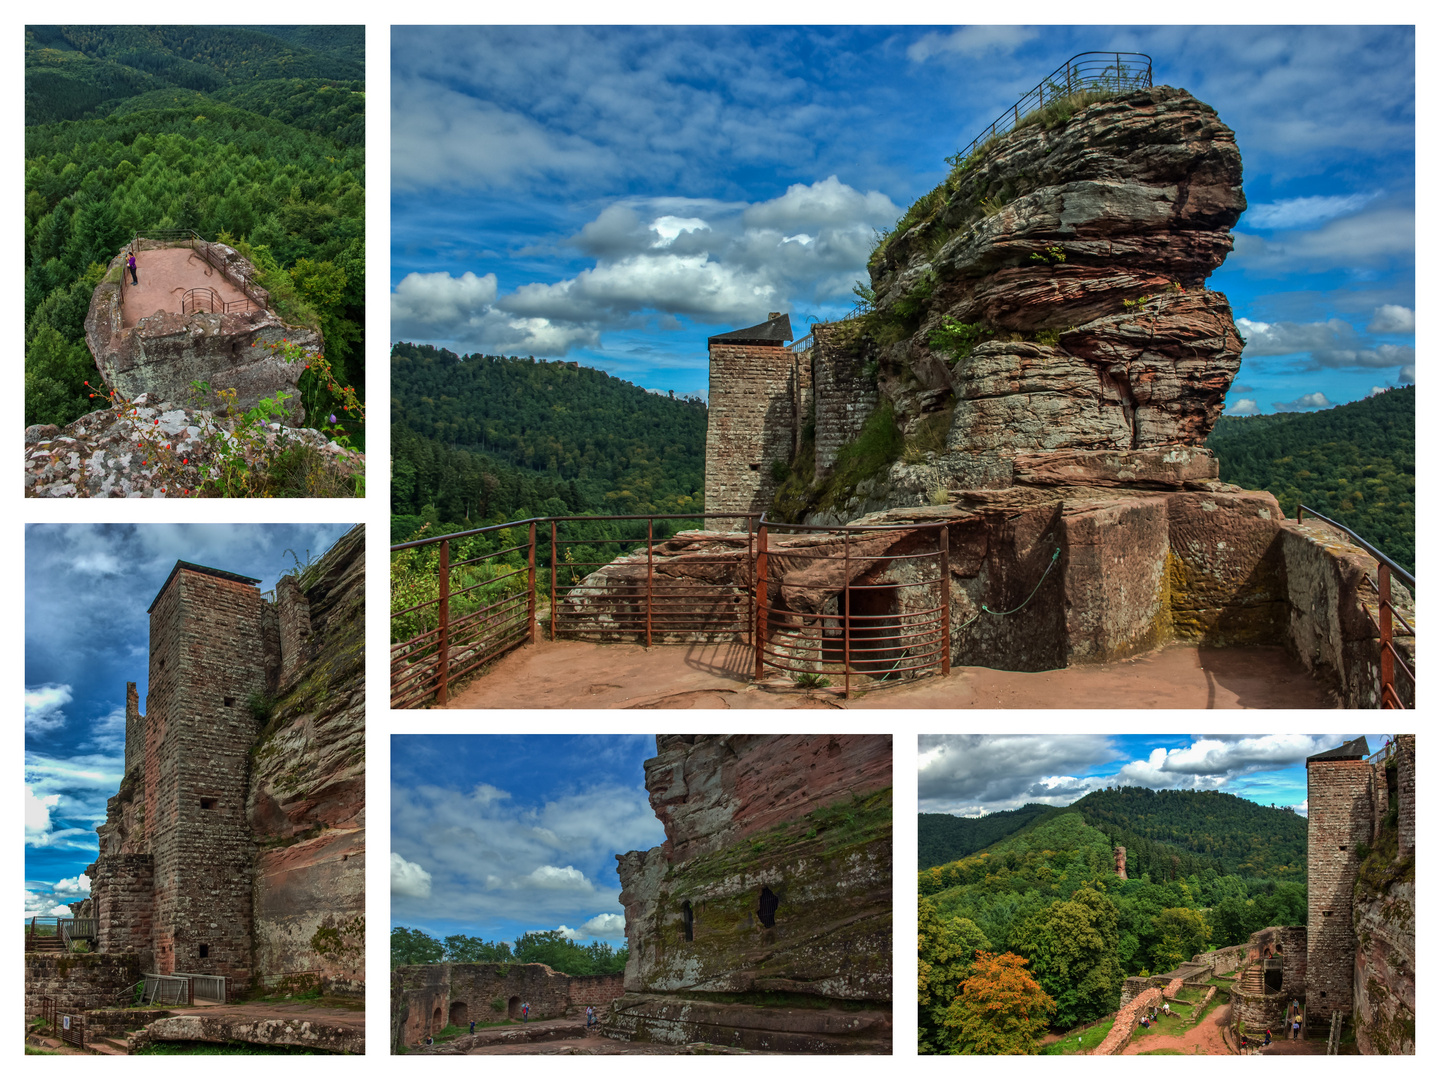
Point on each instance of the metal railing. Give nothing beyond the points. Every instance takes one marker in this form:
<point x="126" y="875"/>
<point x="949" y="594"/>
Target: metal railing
<point x="204" y="987"/>
<point x="245" y="282"/>
<point x="1386" y="615"/>
<point x="505" y="601"/>
<point x="1084" y="73"/>
<point x="167" y="990"/>
<point x="205" y="298"/>
<point x="806" y="342"/>
<point x="856" y="625"/>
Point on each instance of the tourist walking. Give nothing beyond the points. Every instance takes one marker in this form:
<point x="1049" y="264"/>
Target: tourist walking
<point x="130" y="263"/>
<point x="525" y="1011"/>
<point x="472" y="1027"/>
<point x="1267" y="1036"/>
<point x="1295" y="1027"/>
<point x="589" y="1016"/>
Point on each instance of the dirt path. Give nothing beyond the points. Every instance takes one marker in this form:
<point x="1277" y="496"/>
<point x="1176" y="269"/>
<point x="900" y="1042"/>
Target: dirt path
<point x="586" y="675"/>
<point x="1203" y="1038"/>
<point x="164" y="275"/>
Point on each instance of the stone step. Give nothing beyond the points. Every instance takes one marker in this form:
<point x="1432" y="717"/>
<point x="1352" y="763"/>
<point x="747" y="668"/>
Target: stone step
<point x="104" y="1044"/>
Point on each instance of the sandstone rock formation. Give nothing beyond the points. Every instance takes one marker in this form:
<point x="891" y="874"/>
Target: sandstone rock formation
<point x="106" y="454"/>
<point x="165" y="352"/>
<point x="764" y="920"/>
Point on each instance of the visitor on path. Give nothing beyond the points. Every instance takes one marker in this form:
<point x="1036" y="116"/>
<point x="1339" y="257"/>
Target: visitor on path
<point x="1267" y="1036"/>
<point x="589" y="1016"/>
<point x="525" y="1011"/>
<point x="1295" y="1027"/>
<point x="1244" y="1045"/>
<point x="1167" y="1008"/>
<point x="130" y="262"/>
<point x="472" y="1027"/>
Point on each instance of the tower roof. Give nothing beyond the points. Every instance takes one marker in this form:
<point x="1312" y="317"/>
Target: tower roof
<point x="774" y="331"/>
<point x="1355" y="749"/>
<point x="181" y="564"/>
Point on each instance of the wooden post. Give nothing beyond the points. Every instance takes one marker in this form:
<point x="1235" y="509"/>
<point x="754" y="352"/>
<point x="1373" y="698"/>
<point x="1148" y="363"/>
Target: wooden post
<point x="443" y="696"/>
<point x="530" y="585"/>
<point x="944" y="600"/>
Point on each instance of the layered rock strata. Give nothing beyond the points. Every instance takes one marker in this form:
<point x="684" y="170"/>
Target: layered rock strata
<point x="764" y="920"/>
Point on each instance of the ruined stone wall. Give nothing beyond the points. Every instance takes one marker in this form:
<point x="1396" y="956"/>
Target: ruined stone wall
<point x="1261" y="1011"/>
<point x="1405" y="768"/>
<point x="306" y="799"/>
<point x="753" y="404"/>
<point x="1340" y="809"/>
<point x="597" y="990"/>
<point x="123" y="898"/>
<point x="427" y="997"/>
<point x="844" y="395"/>
<point x="1127" y="1019"/>
<point x="78" y="981"/>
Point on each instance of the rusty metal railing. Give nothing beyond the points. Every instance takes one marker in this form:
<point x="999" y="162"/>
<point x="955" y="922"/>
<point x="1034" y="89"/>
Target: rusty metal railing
<point x="205" y="298"/>
<point x="880" y="617"/>
<point x="1386" y="615"/>
<point x="246" y="283"/>
<point x="1083" y="73"/>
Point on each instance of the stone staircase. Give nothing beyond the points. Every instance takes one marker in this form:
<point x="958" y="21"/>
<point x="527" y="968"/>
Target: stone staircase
<point x="1252" y="981"/>
<point x="44" y="943"/>
<point x="105" y="1044"/>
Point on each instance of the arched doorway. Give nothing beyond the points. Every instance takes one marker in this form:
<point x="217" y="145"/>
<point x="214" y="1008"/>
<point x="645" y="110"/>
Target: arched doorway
<point x="513" y="1009"/>
<point x="459" y="1014"/>
<point x="435" y="1022"/>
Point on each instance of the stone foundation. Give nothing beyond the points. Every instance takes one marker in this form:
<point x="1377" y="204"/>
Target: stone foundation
<point x="78" y="982"/>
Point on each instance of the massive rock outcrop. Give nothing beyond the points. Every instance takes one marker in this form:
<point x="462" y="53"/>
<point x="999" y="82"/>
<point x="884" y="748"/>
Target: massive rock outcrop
<point x="164" y="352"/>
<point x="764" y="920"/>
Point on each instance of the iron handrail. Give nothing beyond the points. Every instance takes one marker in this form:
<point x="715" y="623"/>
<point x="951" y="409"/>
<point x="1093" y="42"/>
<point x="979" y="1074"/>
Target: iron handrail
<point x="1078" y="75"/>
<point x="245" y="282"/>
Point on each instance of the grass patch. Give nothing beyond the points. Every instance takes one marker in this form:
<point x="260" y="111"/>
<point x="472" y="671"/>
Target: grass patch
<point x="928" y="437"/>
<point x="878" y="446"/>
<point x="1082" y="1043"/>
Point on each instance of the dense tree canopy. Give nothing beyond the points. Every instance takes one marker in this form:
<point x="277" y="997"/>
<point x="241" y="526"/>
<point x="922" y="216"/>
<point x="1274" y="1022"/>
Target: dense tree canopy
<point x="1001" y="1009"/>
<point x="1354" y="463"/>
<point x="486" y="439"/>
<point x="550" y="947"/>
<point x="241" y="136"/>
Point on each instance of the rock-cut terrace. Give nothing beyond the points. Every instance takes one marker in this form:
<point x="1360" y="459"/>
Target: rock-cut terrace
<point x="166" y="274"/>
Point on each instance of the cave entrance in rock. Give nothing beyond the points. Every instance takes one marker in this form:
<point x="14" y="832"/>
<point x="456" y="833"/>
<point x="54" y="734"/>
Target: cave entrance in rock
<point x="435" y="1019"/>
<point x="769" y="904"/>
<point x="877" y="637"/>
<point x="513" y="1008"/>
<point x="459" y="1014"/>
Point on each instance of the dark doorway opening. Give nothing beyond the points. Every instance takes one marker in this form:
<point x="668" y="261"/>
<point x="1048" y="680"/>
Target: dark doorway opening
<point x="876" y="646"/>
<point x="513" y="1007"/>
<point x="769" y="903"/>
<point x="687" y="920"/>
<point x="459" y="1014"/>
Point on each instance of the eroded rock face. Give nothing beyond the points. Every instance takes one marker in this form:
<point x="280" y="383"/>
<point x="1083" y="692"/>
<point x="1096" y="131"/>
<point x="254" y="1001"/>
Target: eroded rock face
<point x="165" y="352"/>
<point x="769" y="903"/>
<point x="1082" y="251"/>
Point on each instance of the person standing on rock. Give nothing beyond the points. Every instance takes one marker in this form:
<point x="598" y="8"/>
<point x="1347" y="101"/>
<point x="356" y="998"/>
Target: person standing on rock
<point x="130" y="264"/>
<point x="589" y="1016"/>
<point x="525" y="1012"/>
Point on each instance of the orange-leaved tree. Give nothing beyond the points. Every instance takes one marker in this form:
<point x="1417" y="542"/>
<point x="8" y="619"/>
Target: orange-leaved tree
<point x="1000" y="1010"/>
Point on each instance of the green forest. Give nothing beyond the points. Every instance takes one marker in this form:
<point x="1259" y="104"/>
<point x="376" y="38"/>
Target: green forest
<point x="410" y="946"/>
<point x="486" y="439"/>
<point x="1354" y="463"/>
<point x="252" y="137"/>
<point x="1039" y="919"/>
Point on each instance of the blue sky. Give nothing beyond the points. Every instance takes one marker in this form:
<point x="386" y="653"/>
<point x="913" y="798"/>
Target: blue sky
<point x="87" y="634"/>
<point x="495" y="835"/>
<point x="972" y="775"/>
<point x="615" y="195"/>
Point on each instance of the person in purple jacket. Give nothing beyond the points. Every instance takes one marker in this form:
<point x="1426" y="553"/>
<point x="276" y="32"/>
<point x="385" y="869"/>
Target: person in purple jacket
<point x="130" y="263"/>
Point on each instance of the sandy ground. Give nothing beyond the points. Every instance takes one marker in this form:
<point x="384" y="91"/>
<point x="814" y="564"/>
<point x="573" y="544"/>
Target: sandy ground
<point x="165" y="274"/>
<point x="1203" y="1038"/>
<point x="586" y="675"/>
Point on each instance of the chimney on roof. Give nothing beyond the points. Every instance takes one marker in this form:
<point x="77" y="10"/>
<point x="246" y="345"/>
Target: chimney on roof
<point x="773" y="316"/>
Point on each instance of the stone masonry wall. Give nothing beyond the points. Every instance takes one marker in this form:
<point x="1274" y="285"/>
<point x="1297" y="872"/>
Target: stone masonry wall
<point x="1339" y="819"/>
<point x="597" y="990"/>
<point x="426" y="997"/>
<point x="204" y="667"/>
<point x="123" y="894"/>
<point x="753" y="402"/>
<point x="844" y="396"/>
<point x="294" y="624"/>
<point x="78" y="981"/>
<point x="1405" y="768"/>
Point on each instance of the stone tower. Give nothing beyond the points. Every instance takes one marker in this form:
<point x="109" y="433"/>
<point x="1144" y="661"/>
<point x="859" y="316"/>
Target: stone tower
<point x="756" y="388"/>
<point x="1339" y="786"/>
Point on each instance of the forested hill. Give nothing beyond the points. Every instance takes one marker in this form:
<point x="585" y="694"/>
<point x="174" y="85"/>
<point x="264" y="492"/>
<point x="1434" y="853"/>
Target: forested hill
<point x="1354" y="463"/>
<point x="482" y="439"/>
<point x="254" y="139"/>
<point x="1166" y="834"/>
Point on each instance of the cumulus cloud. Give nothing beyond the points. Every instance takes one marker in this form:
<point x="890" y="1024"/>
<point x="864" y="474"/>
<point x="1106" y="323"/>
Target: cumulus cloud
<point x="1242" y="407"/>
<point x="1372" y="237"/>
<point x="978" y="774"/>
<point x="1392" y="319"/>
<point x="1330" y="344"/>
<point x="408" y="878"/>
<point x="656" y="260"/>
<point x="1304" y="403"/>
<point x="558" y="877"/>
<point x="37" y="816"/>
<point x="605" y="926"/>
<point x="1305" y="211"/>
<point x="970" y="42"/>
<point x="565" y="932"/>
<point x="76" y="886"/>
<point x="1407" y="374"/>
<point x="44" y="707"/>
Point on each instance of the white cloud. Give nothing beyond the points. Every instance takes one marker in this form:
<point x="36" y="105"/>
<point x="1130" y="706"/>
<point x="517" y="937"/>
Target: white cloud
<point x="1304" y="402"/>
<point x="1305" y="211"/>
<point x="1377" y="390"/>
<point x="971" y="42"/>
<point x="1392" y="319"/>
<point x="558" y="877"/>
<point x="669" y="227"/>
<point x="565" y="932"/>
<point x="408" y="878"/>
<point x="423" y="301"/>
<point x="1377" y="236"/>
<point x="37" y="816"/>
<point x="1242" y="407"/>
<point x="1407" y="374"/>
<point x="44" y="707"/>
<point x="604" y="926"/>
<point x="1285" y="338"/>
<point x="76" y="886"/>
